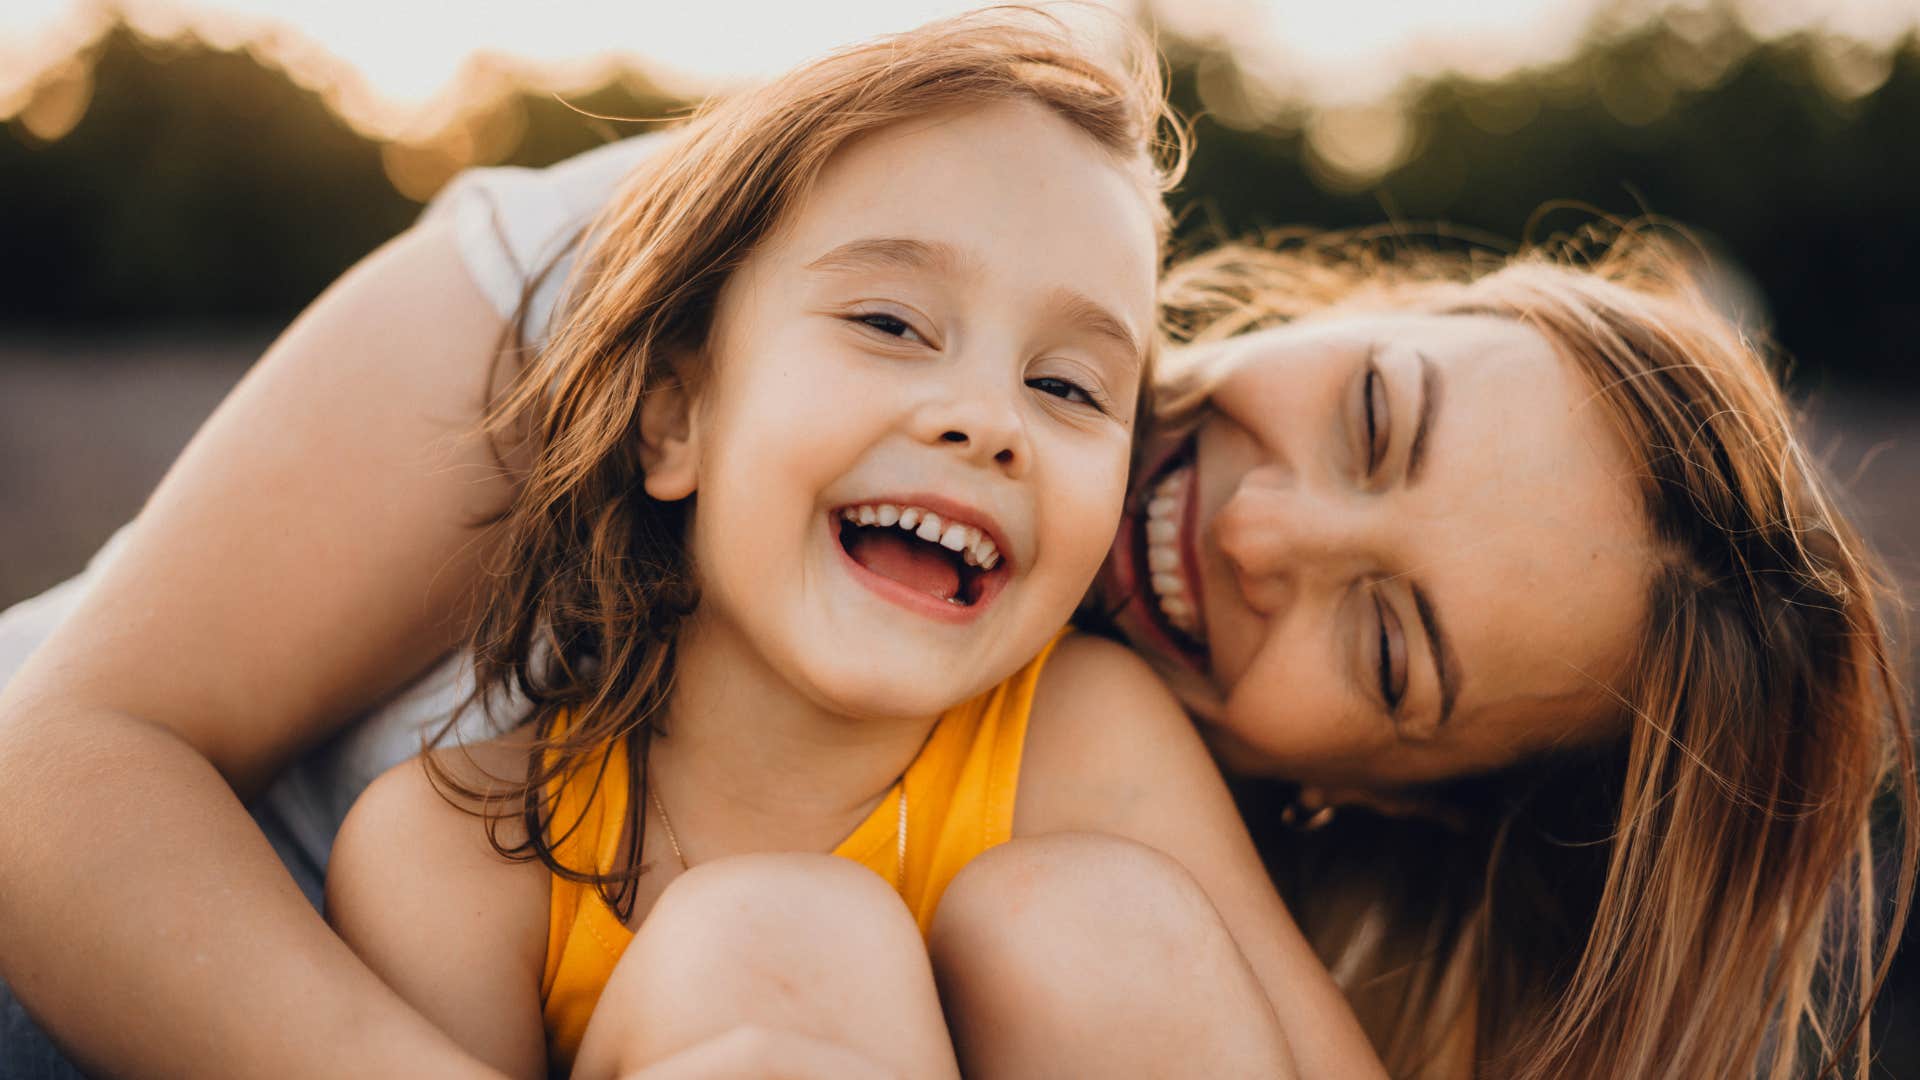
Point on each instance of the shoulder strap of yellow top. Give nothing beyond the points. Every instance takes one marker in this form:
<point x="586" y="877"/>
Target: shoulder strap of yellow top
<point x="961" y="790"/>
<point x="589" y="813"/>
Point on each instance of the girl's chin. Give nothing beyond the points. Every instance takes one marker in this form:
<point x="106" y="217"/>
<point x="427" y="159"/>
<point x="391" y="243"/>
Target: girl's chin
<point x="857" y="693"/>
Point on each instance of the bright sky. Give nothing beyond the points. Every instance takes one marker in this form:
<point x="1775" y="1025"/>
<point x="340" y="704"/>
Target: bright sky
<point x="1330" y="50"/>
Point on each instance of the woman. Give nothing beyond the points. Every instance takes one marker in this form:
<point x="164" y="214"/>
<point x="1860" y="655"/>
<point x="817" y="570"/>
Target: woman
<point x="1585" y="487"/>
<point x="1619" y="692"/>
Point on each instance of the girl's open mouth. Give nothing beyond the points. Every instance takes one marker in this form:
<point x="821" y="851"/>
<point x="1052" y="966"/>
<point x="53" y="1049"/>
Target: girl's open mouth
<point x="917" y="556"/>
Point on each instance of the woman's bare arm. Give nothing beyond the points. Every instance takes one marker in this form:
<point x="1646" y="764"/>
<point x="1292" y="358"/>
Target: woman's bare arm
<point x="1110" y="751"/>
<point x="311" y="551"/>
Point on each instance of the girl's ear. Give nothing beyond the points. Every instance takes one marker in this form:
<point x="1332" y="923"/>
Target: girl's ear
<point x="670" y="441"/>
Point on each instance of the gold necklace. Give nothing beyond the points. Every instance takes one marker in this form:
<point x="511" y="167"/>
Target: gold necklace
<point x="900" y="831"/>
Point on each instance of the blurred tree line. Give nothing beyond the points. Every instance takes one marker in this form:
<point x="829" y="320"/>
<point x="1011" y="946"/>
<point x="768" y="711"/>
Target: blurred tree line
<point x="202" y="186"/>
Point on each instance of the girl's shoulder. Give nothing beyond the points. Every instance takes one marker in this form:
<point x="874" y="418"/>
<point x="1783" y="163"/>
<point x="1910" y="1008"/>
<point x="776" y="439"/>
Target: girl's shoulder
<point x="415" y="887"/>
<point x="411" y="809"/>
<point x="1102" y="722"/>
<point x="414" y="870"/>
<point x="1089" y="679"/>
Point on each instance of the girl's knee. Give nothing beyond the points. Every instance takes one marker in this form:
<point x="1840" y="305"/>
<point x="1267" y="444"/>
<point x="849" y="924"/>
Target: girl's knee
<point x="761" y="905"/>
<point x="812" y="944"/>
<point x="1056" y="892"/>
<point x="1095" y="955"/>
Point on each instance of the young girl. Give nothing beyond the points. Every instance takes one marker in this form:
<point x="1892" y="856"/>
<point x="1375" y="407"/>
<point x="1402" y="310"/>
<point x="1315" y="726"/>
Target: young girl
<point x="828" y="447"/>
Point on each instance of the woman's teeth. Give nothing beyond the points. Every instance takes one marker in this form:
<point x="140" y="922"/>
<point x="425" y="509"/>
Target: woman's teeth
<point x="1164" y="510"/>
<point x="975" y="548"/>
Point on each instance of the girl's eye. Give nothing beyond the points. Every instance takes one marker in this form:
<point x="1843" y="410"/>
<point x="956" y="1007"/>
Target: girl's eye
<point x="1377" y="432"/>
<point x="1393" y="654"/>
<point x="889" y="325"/>
<point x="1065" y="389"/>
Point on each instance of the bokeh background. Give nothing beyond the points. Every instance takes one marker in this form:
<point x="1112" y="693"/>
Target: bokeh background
<point x="178" y="179"/>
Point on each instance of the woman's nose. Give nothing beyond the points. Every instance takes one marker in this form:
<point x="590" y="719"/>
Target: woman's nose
<point x="1278" y="535"/>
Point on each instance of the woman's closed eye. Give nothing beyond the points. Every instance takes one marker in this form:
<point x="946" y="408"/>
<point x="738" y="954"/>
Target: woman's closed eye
<point x="1374" y="402"/>
<point x="1391" y="653"/>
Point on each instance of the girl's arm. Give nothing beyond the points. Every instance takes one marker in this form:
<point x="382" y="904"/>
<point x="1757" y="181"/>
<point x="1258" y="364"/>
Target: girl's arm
<point x="458" y="931"/>
<point x="461" y="933"/>
<point x="1109" y="750"/>
<point x="310" y="552"/>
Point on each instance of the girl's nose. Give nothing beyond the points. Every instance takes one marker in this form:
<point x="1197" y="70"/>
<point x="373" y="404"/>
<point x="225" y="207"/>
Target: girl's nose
<point x="981" y="423"/>
<point x="1279" y="535"/>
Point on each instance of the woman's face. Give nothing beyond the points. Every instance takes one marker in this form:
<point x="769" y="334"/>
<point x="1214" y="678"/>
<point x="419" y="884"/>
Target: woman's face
<point x="1398" y="548"/>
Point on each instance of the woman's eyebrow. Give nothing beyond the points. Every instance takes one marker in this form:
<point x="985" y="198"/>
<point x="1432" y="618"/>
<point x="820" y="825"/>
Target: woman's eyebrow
<point x="1429" y="401"/>
<point x="887" y="253"/>
<point x="1446" y="664"/>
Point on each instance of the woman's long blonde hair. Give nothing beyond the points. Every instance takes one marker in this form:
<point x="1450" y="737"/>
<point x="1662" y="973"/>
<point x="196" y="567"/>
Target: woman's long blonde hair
<point x="580" y="616"/>
<point x="1700" y="899"/>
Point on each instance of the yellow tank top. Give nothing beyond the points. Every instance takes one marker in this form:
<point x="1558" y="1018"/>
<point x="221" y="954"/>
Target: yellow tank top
<point x="959" y="796"/>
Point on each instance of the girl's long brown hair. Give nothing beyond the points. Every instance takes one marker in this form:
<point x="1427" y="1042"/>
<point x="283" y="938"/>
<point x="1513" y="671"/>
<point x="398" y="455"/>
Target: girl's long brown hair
<point x="1699" y="899"/>
<point x="581" y="615"/>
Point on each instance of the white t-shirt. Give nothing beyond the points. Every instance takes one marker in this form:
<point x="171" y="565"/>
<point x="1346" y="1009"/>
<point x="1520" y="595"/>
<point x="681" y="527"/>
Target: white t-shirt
<point x="510" y="224"/>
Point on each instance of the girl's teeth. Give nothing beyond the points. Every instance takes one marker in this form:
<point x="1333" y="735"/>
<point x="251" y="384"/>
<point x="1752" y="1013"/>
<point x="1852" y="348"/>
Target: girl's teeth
<point x="1162" y="531"/>
<point x="974" y="546"/>
<point x="1169" y="586"/>
<point x="1162" y="506"/>
<point x="1162" y="559"/>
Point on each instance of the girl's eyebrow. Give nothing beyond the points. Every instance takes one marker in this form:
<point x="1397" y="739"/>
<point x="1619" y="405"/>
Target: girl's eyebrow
<point x="1087" y="314"/>
<point x="887" y="253"/>
<point x="908" y="254"/>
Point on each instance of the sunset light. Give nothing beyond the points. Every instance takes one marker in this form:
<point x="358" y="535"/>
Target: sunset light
<point x="430" y="87"/>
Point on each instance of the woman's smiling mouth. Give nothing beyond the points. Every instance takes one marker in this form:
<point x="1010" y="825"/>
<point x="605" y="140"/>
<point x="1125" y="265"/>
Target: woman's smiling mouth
<point x="1151" y="571"/>
<point x="1168" y="543"/>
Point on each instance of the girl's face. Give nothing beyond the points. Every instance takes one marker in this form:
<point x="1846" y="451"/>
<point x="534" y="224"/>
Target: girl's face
<point x="911" y="445"/>
<point x="1399" y="548"/>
